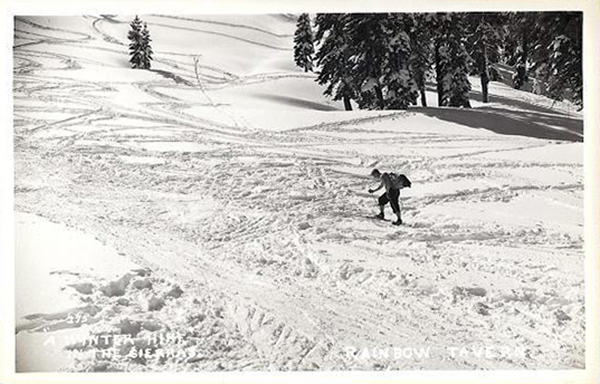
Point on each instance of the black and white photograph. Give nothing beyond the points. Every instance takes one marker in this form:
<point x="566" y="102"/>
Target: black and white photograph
<point x="305" y="190"/>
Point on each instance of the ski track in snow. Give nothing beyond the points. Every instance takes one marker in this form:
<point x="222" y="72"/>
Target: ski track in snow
<point x="264" y="230"/>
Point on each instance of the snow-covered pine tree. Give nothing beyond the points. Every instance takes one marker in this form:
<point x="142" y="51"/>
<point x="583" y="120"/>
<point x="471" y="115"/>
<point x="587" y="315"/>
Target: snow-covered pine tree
<point x="421" y="51"/>
<point x="368" y="48"/>
<point x="452" y="61"/>
<point x="438" y="22"/>
<point x="575" y="31"/>
<point x="400" y="87"/>
<point x="459" y="85"/>
<point x="522" y="28"/>
<point x="483" y="44"/>
<point x="546" y="46"/>
<point x="380" y="60"/>
<point x="333" y="58"/>
<point x="303" y="43"/>
<point x="558" y="54"/>
<point x="146" y="47"/>
<point x="135" y="45"/>
<point x="520" y="77"/>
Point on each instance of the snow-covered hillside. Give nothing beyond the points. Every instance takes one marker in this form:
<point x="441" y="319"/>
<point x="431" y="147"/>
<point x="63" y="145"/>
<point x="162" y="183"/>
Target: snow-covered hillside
<point x="223" y="199"/>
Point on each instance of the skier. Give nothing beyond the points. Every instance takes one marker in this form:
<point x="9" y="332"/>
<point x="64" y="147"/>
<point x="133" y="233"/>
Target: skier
<point x="392" y="183"/>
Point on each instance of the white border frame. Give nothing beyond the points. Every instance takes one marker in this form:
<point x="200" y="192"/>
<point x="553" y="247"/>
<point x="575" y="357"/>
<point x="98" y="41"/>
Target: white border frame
<point x="591" y="60"/>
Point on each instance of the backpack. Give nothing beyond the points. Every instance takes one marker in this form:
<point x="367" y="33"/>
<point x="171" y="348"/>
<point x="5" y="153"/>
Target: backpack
<point x="399" y="181"/>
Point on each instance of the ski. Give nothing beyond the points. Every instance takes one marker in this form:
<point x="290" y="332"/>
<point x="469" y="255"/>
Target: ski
<point x="374" y="217"/>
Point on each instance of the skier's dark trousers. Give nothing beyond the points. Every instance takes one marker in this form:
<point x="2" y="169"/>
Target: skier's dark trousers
<point x="392" y="198"/>
<point x="391" y="195"/>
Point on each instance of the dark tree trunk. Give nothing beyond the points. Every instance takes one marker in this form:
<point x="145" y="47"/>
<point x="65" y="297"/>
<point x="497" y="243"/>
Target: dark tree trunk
<point x="484" y="88"/>
<point x="347" y="104"/>
<point x="438" y="76"/>
<point x="379" y="94"/>
<point x="485" y="76"/>
<point x="423" y="98"/>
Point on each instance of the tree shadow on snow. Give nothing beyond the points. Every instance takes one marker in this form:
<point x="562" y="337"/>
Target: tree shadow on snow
<point x="295" y="102"/>
<point x="172" y="76"/>
<point x="506" y="122"/>
<point x="520" y="104"/>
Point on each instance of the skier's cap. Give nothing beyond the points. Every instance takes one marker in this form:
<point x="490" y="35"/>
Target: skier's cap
<point x="375" y="172"/>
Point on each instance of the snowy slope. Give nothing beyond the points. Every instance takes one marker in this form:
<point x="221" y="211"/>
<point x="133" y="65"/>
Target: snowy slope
<point x="224" y="170"/>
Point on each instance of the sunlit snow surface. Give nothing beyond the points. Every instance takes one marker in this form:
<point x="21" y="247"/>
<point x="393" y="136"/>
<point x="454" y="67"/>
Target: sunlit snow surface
<point x="226" y="173"/>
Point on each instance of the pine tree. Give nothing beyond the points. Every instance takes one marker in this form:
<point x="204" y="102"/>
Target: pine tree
<point x="546" y="48"/>
<point x="139" y="48"/>
<point x="380" y="60"/>
<point x="135" y="47"/>
<point x="522" y="27"/>
<point x="400" y="87"/>
<point x="146" y="48"/>
<point x="520" y="77"/>
<point x="440" y="23"/>
<point x="558" y="55"/>
<point x="366" y="59"/>
<point x="459" y="85"/>
<point x="303" y="43"/>
<point x="452" y="61"/>
<point x="575" y="66"/>
<point x="333" y="58"/>
<point x="484" y="42"/>
<point x="421" y="51"/>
